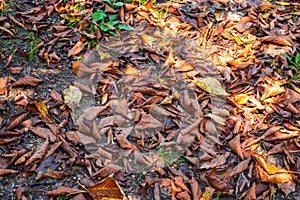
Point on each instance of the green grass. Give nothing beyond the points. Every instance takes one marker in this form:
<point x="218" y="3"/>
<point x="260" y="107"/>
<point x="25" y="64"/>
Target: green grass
<point x="294" y="63"/>
<point x="33" y="42"/>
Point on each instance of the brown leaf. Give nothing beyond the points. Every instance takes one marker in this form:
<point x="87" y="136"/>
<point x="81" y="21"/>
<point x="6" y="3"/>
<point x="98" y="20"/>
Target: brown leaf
<point x="56" y="97"/>
<point x="287" y="187"/>
<point x="54" y="174"/>
<point x="27" y="81"/>
<point x="215" y="181"/>
<point x="107" y="170"/>
<point x="19" y="193"/>
<point x="4" y="172"/>
<point x="76" y="49"/>
<point x="14" y="122"/>
<point x="251" y="193"/>
<point x="278" y="39"/>
<point x="44" y="133"/>
<point x="3" y="85"/>
<point x="62" y="191"/>
<point x="108" y="188"/>
<point x="147" y="122"/>
<point x="242" y="166"/>
<point x="235" y="145"/>
<point x="195" y="188"/>
<point x="37" y="156"/>
<point x="81" y="70"/>
<point x="183" y="66"/>
<point x="183" y="195"/>
<point x="123" y="142"/>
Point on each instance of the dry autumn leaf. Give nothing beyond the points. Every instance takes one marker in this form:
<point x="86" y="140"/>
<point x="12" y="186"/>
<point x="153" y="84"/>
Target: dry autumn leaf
<point x="27" y="81"/>
<point x="108" y="189"/>
<point x="76" y="49"/>
<point x="211" y="85"/>
<point x="72" y="95"/>
<point x="43" y="110"/>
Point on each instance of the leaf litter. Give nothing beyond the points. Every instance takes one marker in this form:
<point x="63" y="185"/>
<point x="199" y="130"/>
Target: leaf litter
<point x="158" y="101"/>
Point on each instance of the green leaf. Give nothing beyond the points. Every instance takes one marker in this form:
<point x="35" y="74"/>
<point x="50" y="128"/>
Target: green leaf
<point x="92" y="27"/>
<point x="112" y="33"/>
<point x="297" y="60"/>
<point x="113" y="23"/>
<point x="125" y="27"/>
<point x="118" y="4"/>
<point x="98" y="15"/>
<point x="104" y="27"/>
<point x="112" y="17"/>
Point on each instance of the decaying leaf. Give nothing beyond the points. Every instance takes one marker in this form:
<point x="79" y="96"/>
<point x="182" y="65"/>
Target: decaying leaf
<point x="272" y="91"/>
<point x="37" y="156"/>
<point x="77" y="48"/>
<point x="63" y="190"/>
<point x="211" y="85"/>
<point x="27" y="81"/>
<point x="108" y="188"/>
<point x="235" y="145"/>
<point x="43" y="110"/>
<point x="72" y="95"/>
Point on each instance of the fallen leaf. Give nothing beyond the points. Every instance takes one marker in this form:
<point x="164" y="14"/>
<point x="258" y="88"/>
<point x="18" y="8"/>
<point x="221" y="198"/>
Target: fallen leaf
<point x="63" y="191"/>
<point x="148" y="122"/>
<point x="195" y="188"/>
<point x="211" y="85"/>
<point x="3" y="85"/>
<point x="235" y="145"/>
<point x="76" y="49"/>
<point x="27" y="81"/>
<point x="251" y="193"/>
<point x="272" y="91"/>
<point x="242" y="166"/>
<point x="16" y="120"/>
<point x="108" y="188"/>
<point x="241" y="98"/>
<point x="4" y="172"/>
<point x="37" y="156"/>
<point x="43" y="110"/>
<point x="72" y="95"/>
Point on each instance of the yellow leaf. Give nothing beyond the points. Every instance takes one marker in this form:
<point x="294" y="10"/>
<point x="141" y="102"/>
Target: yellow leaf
<point x="282" y="3"/>
<point x="148" y="39"/>
<point x="72" y="95"/>
<point x="70" y="18"/>
<point x="103" y="55"/>
<point x="43" y="110"/>
<point x="211" y="85"/>
<point x="238" y="40"/>
<point x="241" y="98"/>
<point x="220" y="16"/>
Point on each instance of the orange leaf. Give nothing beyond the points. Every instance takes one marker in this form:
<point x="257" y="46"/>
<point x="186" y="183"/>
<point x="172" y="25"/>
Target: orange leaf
<point x="183" y="66"/>
<point x="76" y="49"/>
<point x="130" y="70"/>
<point x="106" y="189"/>
<point x="270" y="168"/>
